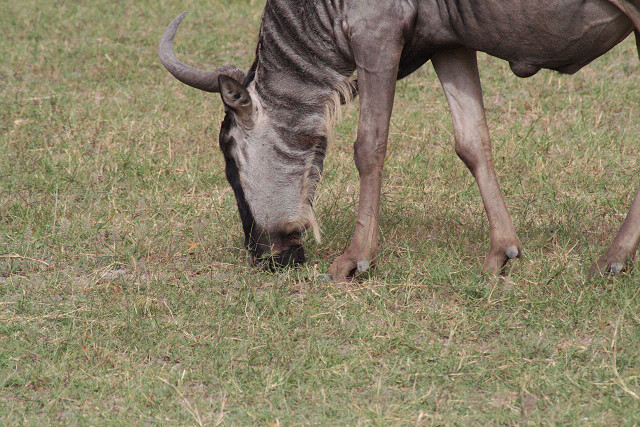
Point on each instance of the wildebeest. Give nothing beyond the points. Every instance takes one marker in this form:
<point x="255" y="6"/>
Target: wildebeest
<point x="274" y="133"/>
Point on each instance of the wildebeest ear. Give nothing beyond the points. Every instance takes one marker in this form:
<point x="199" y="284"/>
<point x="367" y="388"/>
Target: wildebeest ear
<point x="236" y="98"/>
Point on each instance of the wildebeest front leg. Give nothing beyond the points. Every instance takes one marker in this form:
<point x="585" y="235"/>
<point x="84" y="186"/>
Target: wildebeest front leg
<point x="376" y="101"/>
<point x="458" y="74"/>
<point x="377" y="66"/>
<point x="624" y="246"/>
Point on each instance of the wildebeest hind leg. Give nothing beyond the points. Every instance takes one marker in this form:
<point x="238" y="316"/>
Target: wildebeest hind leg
<point x="458" y="74"/>
<point x="624" y="246"/>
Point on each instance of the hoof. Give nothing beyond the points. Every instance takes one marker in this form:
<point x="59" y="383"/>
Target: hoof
<point x="345" y="267"/>
<point x="616" y="268"/>
<point x="324" y="278"/>
<point x="342" y="270"/>
<point x="496" y="261"/>
<point x="512" y="252"/>
<point x="612" y="263"/>
<point x="362" y="266"/>
<point x="604" y="268"/>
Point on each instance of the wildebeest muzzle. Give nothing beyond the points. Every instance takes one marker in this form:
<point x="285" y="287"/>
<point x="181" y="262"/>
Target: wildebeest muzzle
<point x="272" y="261"/>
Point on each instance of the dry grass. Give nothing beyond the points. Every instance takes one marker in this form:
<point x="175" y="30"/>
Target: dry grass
<point x="125" y="296"/>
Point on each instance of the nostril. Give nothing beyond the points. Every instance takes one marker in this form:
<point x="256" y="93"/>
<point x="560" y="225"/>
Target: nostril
<point x="292" y="256"/>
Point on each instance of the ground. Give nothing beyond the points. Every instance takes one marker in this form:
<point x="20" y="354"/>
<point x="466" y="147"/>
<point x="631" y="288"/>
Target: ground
<point x="125" y="295"/>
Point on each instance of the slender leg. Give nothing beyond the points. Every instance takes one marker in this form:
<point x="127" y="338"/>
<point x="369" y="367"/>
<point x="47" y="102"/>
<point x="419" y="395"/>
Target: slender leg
<point x="624" y="246"/>
<point x="458" y="74"/>
<point x="376" y="102"/>
<point x="377" y="44"/>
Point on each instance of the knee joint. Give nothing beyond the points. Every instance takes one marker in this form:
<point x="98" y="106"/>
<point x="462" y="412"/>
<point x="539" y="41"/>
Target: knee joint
<point x="369" y="158"/>
<point x="471" y="152"/>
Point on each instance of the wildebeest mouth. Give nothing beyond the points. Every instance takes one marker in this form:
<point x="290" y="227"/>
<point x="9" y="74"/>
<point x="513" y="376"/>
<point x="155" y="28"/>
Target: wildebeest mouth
<point x="272" y="261"/>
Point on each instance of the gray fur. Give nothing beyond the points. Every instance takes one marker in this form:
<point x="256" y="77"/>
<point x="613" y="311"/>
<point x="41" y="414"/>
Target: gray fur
<point x="276" y="131"/>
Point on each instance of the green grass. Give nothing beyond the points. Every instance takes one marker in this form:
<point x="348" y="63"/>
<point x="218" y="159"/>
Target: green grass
<point x="125" y="296"/>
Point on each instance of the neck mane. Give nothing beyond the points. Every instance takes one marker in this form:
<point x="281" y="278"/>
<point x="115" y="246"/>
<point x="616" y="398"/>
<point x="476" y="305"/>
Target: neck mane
<point x="299" y="71"/>
<point x="302" y="78"/>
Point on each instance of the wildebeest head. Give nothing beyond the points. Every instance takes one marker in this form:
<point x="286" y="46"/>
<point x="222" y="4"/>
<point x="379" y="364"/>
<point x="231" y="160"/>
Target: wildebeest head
<point x="272" y="164"/>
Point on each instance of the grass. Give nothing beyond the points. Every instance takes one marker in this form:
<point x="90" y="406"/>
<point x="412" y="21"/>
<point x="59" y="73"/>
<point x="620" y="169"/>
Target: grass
<point x="125" y="296"/>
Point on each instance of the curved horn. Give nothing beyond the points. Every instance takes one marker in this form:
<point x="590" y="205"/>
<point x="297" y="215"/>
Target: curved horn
<point x="199" y="79"/>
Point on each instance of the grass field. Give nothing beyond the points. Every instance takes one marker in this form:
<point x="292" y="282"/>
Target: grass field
<point x="126" y="298"/>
